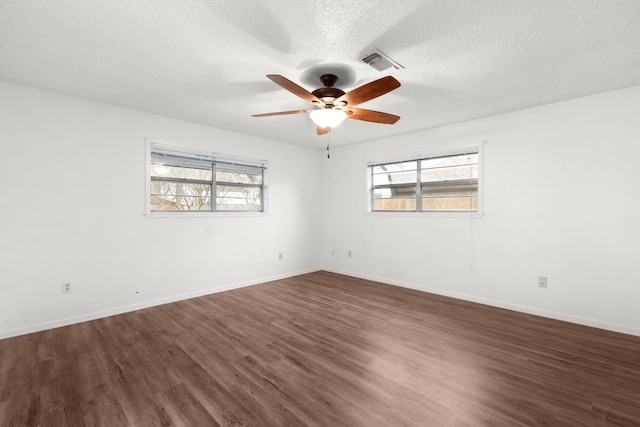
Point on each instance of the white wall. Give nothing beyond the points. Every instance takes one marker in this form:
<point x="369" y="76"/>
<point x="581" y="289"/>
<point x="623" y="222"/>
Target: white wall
<point x="560" y="201"/>
<point x="562" y="185"/>
<point x="72" y="198"/>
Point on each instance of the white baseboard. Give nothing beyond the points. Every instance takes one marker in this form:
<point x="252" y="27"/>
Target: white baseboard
<point x="166" y="300"/>
<point x="138" y="306"/>
<point x="625" y="329"/>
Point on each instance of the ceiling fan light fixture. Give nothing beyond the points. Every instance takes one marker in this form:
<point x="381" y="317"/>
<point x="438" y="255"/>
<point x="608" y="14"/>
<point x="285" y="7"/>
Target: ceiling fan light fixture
<point x="327" y="117"/>
<point x="333" y="105"/>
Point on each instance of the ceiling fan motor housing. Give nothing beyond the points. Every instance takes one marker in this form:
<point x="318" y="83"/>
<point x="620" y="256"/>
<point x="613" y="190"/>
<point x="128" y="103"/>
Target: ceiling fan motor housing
<point x="328" y="93"/>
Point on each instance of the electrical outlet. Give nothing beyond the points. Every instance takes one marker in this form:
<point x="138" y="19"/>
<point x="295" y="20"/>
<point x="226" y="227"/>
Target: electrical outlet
<point x="542" y="281"/>
<point x="66" y="287"/>
<point x="280" y="255"/>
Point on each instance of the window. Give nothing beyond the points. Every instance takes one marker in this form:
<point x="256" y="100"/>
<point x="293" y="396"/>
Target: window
<point x="445" y="183"/>
<point x="204" y="182"/>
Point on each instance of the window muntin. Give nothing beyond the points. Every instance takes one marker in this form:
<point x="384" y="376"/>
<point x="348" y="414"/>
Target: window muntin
<point x="447" y="183"/>
<point x="183" y="181"/>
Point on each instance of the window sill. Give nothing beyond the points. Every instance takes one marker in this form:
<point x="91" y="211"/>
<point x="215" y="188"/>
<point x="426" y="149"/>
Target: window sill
<point x="171" y="214"/>
<point x="472" y="215"/>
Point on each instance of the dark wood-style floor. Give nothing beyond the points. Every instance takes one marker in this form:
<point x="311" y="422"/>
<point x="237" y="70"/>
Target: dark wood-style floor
<point x="321" y="350"/>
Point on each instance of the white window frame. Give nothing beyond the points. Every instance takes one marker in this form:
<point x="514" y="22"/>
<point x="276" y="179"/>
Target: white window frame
<point x="161" y="145"/>
<point x="430" y="214"/>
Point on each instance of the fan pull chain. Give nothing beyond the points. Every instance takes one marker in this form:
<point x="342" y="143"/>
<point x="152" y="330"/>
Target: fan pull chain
<point x="328" y="141"/>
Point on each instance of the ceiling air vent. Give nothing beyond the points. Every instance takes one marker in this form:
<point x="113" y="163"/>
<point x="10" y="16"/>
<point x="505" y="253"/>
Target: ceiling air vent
<point x="381" y="62"/>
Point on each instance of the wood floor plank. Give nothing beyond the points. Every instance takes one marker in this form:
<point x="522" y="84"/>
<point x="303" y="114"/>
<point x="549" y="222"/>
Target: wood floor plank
<point x="183" y="408"/>
<point x="321" y="349"/>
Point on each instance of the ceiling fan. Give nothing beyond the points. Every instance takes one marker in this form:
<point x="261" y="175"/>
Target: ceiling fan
<point x="333" y="105"/>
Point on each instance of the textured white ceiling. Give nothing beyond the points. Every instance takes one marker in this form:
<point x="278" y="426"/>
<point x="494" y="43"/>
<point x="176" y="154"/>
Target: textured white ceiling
<point x="205" y="60"/>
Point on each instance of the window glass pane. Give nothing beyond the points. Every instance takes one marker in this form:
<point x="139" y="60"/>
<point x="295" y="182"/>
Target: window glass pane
<point x="394" y="199"/>
<point x="230" y="204"/>
<point x="394" y="192"/>
<point x="168" y="195"/>
<point x="238" y="191"/>
<point x="187" y="160"/>
<point x="394" y="204"/>
<point x="239" y="168"/>
<point x="396" y="167"/>
<point x="183" y="203"/>
<point x="450" y="197"/>
<point x="450" y="204"/>
<point x="443" y="190"/>
<point x="164" y="171"/>
<point x="180" y="188"/>
<point x="395" y="173"/>
<point x="395" y="178"/>
<point x="454" y="173"/>
<point x="456" y="160"/>
<point x="234" y="198"/>
<point x="239" y="178"/>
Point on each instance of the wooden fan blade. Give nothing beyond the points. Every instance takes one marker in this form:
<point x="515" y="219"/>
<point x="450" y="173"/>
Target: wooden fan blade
<point x="281" y="113"/>
<point x="369" y="91"/>
<point x="294" y="88"/>
<point x="372" y="116"/>
<point x="323" y="131"/>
